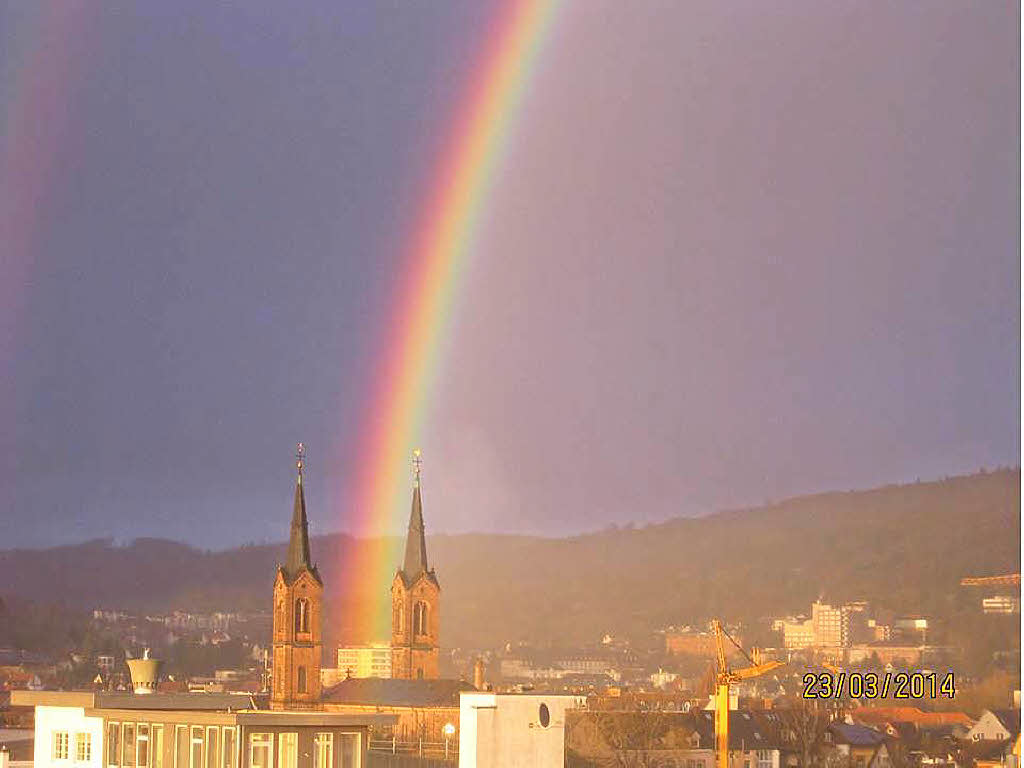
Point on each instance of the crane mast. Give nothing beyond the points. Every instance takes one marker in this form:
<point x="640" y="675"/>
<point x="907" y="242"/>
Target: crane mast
<point x="723" y="679"/>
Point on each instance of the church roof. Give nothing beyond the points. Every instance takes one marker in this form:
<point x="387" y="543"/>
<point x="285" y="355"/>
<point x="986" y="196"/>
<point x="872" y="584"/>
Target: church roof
<point x="415" y="562"/>
<point x="393" y="692"/>
<point x="298" y="542"/>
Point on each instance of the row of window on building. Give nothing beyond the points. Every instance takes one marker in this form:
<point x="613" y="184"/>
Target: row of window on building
<point x="141" y="745"/>
<point x="763" y="760"/>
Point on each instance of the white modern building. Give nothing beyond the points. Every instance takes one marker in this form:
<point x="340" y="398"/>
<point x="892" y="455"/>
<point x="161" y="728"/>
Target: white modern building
<point x="511" y="730"/>
<point x="206" y="730"/>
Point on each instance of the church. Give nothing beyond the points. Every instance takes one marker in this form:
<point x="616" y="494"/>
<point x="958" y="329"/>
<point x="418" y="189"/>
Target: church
<point x="298" y="602"/>
<point x="415" y="601"/>
<point x="423" y="702"/>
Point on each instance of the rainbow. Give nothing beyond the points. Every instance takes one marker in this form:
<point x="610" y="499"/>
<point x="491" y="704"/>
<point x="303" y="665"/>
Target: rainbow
<point x="437" y="257"/>
<point x="45" y="63"/>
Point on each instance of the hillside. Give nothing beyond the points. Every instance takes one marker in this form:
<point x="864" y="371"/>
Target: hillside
<point x="905" y="547"/>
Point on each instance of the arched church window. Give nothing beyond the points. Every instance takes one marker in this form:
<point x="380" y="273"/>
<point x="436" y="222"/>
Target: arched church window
<point x="398" y="617"/>
<point x="419" y="618"/>
<point x="300" y="684"/>
<point x="302" y="615"/>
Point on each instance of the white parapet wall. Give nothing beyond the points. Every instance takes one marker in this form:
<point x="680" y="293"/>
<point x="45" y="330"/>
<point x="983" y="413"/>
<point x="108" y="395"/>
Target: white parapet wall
<point x="67" y="738"/>
<point x="512" y="730"/>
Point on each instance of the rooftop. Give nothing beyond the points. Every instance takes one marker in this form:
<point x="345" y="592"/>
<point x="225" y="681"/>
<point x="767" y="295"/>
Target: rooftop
<point x="391" y="692"/>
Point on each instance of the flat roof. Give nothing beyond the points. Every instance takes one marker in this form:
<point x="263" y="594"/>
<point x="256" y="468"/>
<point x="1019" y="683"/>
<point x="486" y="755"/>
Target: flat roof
<point x="193" y="707"/>
<point x="261" y="717"/>
<point x="122" y="700"/>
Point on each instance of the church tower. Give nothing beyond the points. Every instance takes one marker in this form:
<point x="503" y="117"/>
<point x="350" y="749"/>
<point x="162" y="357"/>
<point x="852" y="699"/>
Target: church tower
<point x="298" y="598"/>
<point x="415" y="601"/>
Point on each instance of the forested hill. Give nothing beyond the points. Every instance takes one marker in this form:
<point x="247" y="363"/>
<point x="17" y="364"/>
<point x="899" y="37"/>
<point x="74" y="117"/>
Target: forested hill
<point x="905" y="547"/>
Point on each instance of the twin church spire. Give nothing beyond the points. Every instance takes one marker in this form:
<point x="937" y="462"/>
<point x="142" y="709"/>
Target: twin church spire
<point x="298" y="599"/>
<point x="415" y="561"/>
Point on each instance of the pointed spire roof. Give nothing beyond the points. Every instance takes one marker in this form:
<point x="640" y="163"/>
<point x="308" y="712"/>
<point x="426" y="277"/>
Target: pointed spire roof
<point x="298" y="541"/>
<point x="415" y="562"/>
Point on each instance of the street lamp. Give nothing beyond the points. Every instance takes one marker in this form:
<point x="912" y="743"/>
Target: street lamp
<point x="449" y="731"/>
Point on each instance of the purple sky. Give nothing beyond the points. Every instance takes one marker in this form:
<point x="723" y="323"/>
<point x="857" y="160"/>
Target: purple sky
<point x="736" y="252"/>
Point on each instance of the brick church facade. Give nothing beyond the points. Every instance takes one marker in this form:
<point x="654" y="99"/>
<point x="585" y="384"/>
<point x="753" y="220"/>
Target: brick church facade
<point x="415" y="603"/>
<point x="298" y="612"/>
<point x="297" y="637"/>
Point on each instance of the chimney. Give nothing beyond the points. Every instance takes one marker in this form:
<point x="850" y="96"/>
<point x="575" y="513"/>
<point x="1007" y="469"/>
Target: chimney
<point x="145" y="673"/>
<point x="478" y="674"/>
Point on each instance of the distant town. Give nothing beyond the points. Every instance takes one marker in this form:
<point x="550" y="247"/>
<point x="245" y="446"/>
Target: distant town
<point x="850" y="683"/>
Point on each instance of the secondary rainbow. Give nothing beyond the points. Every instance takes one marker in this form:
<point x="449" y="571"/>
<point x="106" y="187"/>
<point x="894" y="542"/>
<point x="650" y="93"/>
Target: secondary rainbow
<point x="424" y="299"/>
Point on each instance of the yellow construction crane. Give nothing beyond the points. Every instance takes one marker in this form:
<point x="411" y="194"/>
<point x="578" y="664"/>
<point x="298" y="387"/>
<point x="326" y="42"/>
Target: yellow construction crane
<point x="726" y="677"/>
<point x="1006" y="580"/>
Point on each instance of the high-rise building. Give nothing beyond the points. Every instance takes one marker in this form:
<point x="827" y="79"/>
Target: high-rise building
<point x="1001" y="604"/>
<point x="415" y="601"/>
<point x="298" y="600"/>
<point x="831" y="625"/>
<point x="360" y="661"/>
<point x="797" y="634"/>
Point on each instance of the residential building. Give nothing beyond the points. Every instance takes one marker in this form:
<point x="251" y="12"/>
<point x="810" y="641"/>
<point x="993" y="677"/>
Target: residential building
<point x="859" y="745"/>
<point x="685" y="738"/>
<point x="911" y="629"/>
<point x="888" y="653"/>
<point x="995" y="754"/>
<point x="798" y="634"/>
<point x="828" y="627"/>
<point x="372" y="660"/>
<point x="996" y="725"/>
<point x="694" y="643"/>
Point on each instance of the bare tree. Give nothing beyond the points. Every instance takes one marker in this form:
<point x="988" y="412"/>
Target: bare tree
<point x="630" y="736"/>
<point x="805" y="725"/>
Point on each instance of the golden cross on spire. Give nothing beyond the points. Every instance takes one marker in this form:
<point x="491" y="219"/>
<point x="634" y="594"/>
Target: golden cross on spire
<point x="300" y="459"/>
<point x="417" y="465"/>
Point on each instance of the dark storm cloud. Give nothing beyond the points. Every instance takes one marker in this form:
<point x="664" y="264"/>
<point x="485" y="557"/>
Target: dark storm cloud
<point x="734" y="253"/>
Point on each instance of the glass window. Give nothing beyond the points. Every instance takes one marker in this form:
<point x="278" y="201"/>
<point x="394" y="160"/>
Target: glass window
<point x="83" y="747"/>
<point x="142" y="745"/>
<point x="287" y="750"/>
<point x="128" y="745"/>
<point x="230" y="748"/>
<point x="157" y="746"/>
<point x="212" y="742"/>
<point x="60" y="745"/>
<point x="301" y="686"/>
<point x="302" y="615"/>
<point x="260" y="755"/>
<point x="113" y="744"/>
<point x="181" y="746"/>
<point x="350" y="750"/>
<point x="324" y="750"/>
<point x="196" y="755"/>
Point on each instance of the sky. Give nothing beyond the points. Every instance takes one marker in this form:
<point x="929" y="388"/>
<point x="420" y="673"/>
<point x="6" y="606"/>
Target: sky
<point x="734" y="252"/>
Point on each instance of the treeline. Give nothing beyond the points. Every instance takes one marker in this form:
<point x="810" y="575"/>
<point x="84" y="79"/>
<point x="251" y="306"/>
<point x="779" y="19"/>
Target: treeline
<point x="903" y="547"/>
